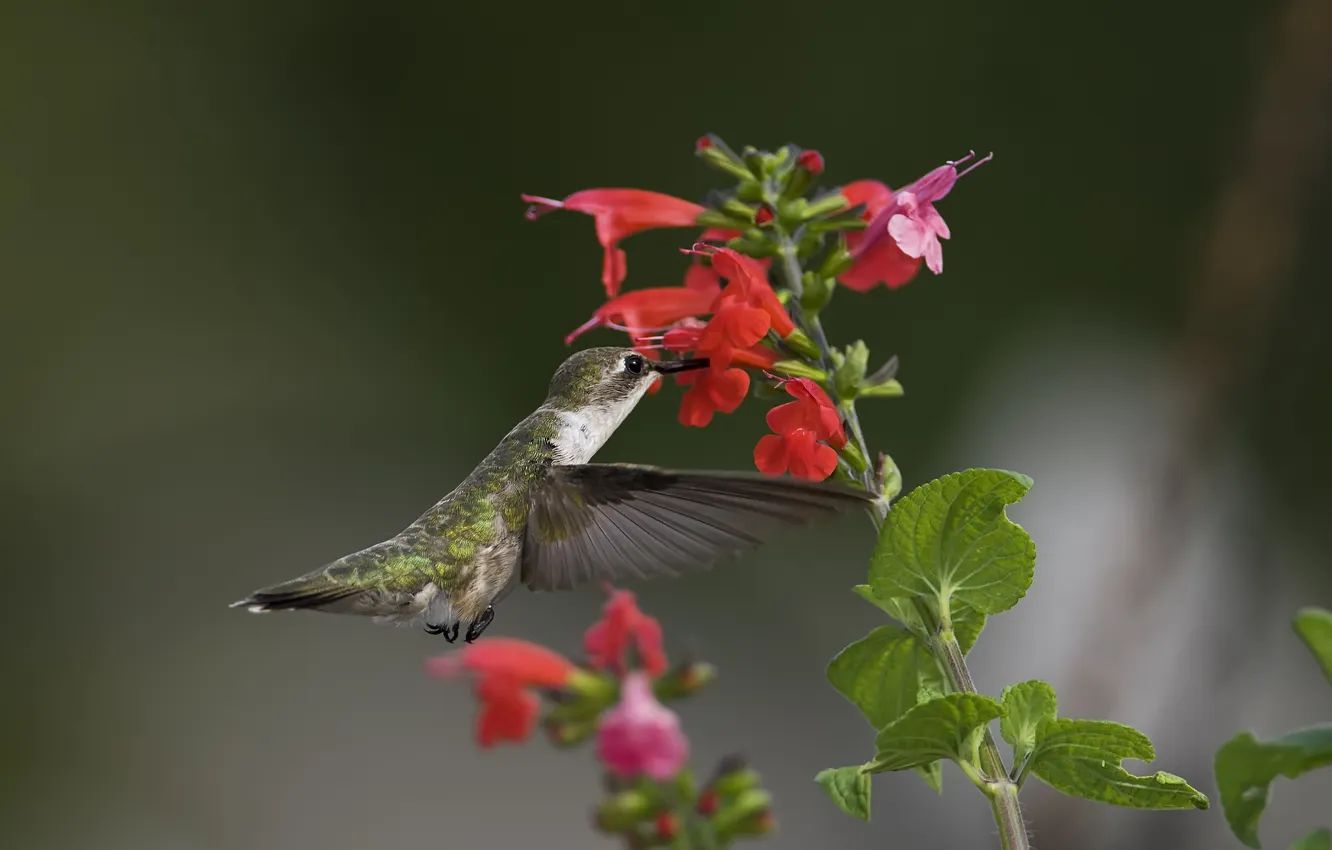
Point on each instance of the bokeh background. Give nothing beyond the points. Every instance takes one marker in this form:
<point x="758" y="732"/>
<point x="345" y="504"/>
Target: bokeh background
<point x="268" y="293"/>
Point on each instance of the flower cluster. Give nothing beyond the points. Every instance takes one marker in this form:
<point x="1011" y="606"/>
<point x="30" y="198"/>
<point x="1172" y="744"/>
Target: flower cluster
<point x="728" y="310"/>
<point x="616" y="696"/>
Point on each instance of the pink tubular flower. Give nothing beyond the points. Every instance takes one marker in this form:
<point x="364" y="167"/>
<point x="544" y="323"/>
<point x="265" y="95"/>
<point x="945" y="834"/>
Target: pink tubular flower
<point x="903" y="230"/>
<point x="619" y="213"/>
<point x="621" y="625"/>
<point x="640" y="736"/>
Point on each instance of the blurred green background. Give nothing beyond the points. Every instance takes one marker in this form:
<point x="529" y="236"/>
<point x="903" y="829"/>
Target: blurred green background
<point x="268" y="293"/>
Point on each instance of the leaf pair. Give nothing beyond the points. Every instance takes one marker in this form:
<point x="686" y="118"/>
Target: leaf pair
<point x="1246" y="767"/>
<point x="948" y="557"/>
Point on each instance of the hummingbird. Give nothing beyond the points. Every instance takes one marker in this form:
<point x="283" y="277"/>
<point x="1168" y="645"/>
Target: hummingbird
<point x="536" y="512"/>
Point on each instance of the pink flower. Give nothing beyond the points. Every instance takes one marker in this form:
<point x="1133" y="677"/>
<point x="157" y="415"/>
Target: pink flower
<point x="904" y="229"/>
<point x="640" y="736"/>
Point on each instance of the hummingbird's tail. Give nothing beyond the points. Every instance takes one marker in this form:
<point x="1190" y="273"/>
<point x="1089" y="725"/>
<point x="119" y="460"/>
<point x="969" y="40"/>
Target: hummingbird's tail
<point x="316" y="590"/>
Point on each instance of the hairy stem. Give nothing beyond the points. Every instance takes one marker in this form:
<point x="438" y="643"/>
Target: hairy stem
<point x="941" y="641"/>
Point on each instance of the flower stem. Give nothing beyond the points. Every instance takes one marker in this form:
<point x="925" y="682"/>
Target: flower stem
<point x="939" y="638"/>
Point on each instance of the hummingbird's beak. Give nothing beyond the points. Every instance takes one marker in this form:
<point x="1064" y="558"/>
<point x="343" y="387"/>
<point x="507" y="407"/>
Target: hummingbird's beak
<point x="666" y="367"/>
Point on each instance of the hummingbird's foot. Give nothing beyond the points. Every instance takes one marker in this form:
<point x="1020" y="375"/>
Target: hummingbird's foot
<point x="450" y="635"/>
<point x="475" y="629"/>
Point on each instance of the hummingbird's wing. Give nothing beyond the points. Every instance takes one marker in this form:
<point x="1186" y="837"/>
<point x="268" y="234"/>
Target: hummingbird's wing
<point x="613" y="521"/>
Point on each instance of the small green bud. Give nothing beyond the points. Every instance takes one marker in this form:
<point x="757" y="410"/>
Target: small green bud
<point x="887" y="389"/>
<point x="685" y="680"/>
<point x="809" y="244"/>
<point x="623" y="811"/>
<point x="851" y="452"/>
<point x="732" y="783"/>
<point x="799" y="342"/>
<point x="685" y="789"/>
<point x="569" y="733"/>
<point x="591" y="685"/>
<point x="754" y="161"/>
<point x="713" y="151"/>
<point x="838" y="260"/>
<point x="753" y="244"/>
<point x="784" y="296"/>
<point x="818" y="291"/>
<point x="851" y="371"/>
<point x="749" y="190"/>
<point x="738" y="210"/>
<point x="717" y="218"/>
<point x="799" y="369"/>
<point x="791" y="213"/>
<point x="890" y="477"/>
<point x="827" y="205"/>
<point x="745" y="805"/>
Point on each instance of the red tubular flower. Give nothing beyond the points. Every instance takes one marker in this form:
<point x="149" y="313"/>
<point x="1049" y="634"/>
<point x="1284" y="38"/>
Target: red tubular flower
<point x="619" y="213"/>
<point x="505" y="669"/>
<point x="621" y="626"/>
<point x="800" y="425"/>
<point x="812" y="410"/>
<point x="711" y="392"/>
<point x="644" y="311"/>
<point x="748" y="284"/>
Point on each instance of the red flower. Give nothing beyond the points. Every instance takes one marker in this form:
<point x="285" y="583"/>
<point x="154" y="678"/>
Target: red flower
<point x="645" y="311"/>
<point x="712" y="391"/>
<point x="812" y="410"/>
<point x="763" y="215"/>
<point x="619" y="213"/>
<point x="800" y="425"/>
<point x="505" y="669"/>
<point x="799" y="451"/>
<point x="621" y="626"/>
<point x="748" y="284"/>
<point x="878" y="260"/>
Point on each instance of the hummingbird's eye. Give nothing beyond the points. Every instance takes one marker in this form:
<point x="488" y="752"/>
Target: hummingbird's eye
<point x="634" y="364"/>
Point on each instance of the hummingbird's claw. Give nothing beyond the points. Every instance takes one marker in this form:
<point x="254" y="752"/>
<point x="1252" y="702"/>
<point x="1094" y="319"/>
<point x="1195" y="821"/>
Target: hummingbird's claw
<point x="475" y="629"/>
<point x="450" y="635"/>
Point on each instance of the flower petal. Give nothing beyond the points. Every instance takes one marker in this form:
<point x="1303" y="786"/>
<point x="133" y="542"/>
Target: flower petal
<point x="519" y="660"/>
<point x="770" y="455"/>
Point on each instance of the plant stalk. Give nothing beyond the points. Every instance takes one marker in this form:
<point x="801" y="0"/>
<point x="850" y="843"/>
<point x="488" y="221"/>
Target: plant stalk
<point x="997" y="785"/>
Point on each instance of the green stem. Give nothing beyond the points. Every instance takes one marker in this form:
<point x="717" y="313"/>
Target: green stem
<point x="993" y="776"/>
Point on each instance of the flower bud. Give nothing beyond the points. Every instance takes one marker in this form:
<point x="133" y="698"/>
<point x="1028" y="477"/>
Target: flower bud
<point x="763" y="215"/>
<point x="739" y="210"/>
<point x="713" y="151"/>
<point x="826" y="205"/>
<point x="737" y="813"/>
<point x="735" y="781"/>
<point x="817" y="292"/>
<point x="890" y="477"/>
<point x="799" y="342"/>
<point x="851" y="373"/>
<point x="717" y="218"/>
<point x="622" y="811"/>
<point x="667" y="826"/>
<point x="839" y="259"/>
<point x="811" y="161"/>
<point x="591" y="685"/>
<point x="755" y="161"/>
<point x="799" y="369"/>
<point x="851" y="452"/>
<point x="568" y="733"/>
<point x="685" y="680"/>
<point x="887" y="389"/>
<point x="708" y="802"/>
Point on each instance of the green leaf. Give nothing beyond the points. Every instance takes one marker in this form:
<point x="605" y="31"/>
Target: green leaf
<point x="1082" y="758"/>
<point x="1319" y="839"/>
<point x="949" y="541"/>
<point x="932" y="773"/>
<point x="967" y="621"/>
<point x="849" y="788"/>
<point x="879" y="674"/>
<point x="1314" y="626"/>
<point x="946" y="727"/>
<point x="1028" y="708"/>
<point x="1245" y="768"/>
